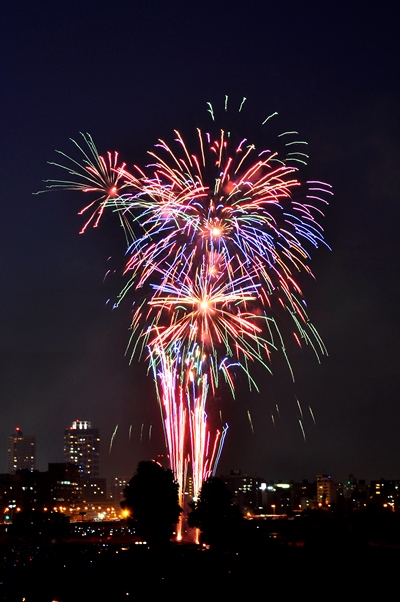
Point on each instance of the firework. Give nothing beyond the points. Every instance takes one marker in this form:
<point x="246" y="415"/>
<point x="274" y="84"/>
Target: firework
<point x="241" y="207"/>
<point x="95" y="175"/>
<point x="182" y="388"/>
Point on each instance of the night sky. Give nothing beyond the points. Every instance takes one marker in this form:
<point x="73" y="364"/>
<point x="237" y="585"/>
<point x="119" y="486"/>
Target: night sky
<point x="129" y="73"/>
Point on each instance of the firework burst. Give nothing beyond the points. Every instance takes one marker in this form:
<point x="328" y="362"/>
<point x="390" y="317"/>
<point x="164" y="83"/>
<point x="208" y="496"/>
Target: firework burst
<point x="95" y="175"/>
<point x="218" y="231"/>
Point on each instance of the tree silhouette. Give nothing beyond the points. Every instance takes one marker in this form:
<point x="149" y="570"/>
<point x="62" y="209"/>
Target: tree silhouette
<point x="214" y="513"/>
<point x="151" y="497"/>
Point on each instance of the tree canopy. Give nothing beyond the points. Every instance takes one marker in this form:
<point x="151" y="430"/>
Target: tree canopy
<point x="216" y="515"/>
<point x="151" y="497"/>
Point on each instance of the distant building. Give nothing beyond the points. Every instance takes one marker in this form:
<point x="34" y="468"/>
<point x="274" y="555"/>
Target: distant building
<point x="60" y="489"/>
<point x="94" y="490"/>
<point x="247" y="491"/>
<point x="278" y="497"/>
<point x="44" y="491"/>
<point x="326" y="491"/>
<point x="303" y="496"/>
<point x="385" y="493"/>
<point x="82" y="448"/>
<point x="189" y="491"/>
<point x="26" y="489"/>
<point x="65" y="487"/>
<point x="21" y="452"/>
<point x="349" y="487"/>
<point x="117" y="491"/>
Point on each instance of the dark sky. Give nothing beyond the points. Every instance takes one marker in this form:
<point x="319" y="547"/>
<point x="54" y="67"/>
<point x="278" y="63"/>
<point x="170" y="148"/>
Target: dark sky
<point x="129" y="73"/>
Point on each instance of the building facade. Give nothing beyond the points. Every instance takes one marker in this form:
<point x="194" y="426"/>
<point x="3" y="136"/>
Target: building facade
<point x="326" y="491"/>
<point x="248" y="491"/>
<point x="21" y="452"/>
<point x="82" y="448"/>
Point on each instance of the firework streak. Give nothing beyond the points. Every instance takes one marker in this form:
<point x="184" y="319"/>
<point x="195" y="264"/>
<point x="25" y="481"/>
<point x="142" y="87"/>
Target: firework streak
<point x="217" y="232"/>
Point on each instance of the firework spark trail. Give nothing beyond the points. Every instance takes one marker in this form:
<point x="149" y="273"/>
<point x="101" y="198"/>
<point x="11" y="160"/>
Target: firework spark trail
<point x="199" y="435"/>
<point x="173" y="410"/>
<point x="182" y="391"/>
<point x="220" y="446"/>
<point x="112" y="439"/>
<point x="250" y="421"/>
<point x="302" y="430"/>
<point x="312" y="414"/>
<point x="204" y="445"/>
<point x="300" y="409"/>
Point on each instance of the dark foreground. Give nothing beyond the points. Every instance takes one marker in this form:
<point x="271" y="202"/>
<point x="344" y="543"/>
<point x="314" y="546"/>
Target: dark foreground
<point x="75" y="572"/>
<point x="318" y="555"/>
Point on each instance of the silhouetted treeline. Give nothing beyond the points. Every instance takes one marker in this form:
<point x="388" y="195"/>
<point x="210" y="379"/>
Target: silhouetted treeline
<point x="151" y="497"/>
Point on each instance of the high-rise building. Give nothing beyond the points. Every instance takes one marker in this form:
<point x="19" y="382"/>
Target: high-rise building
<point x="326" y="490"/>
<point x="21" y="452"/>
<point x="82" y="447"/>
<point x="247" y="491"/>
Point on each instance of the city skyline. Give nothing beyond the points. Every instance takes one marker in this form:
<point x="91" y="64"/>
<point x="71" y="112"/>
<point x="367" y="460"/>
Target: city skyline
<point x="329" y="72"/>
<point x="92" y="437"/>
